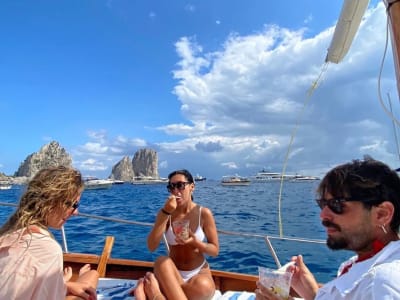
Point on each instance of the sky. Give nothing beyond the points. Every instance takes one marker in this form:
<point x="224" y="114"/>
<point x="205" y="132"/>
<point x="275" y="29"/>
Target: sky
<point x="217" y="87"/>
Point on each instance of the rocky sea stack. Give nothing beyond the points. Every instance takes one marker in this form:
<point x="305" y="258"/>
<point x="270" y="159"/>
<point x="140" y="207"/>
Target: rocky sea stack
<point x="143" y="164"/>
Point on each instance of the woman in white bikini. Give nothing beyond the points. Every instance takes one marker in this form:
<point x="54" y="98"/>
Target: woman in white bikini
<point x="185" y="273"/>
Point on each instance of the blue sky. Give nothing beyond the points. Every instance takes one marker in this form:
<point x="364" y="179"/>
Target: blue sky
<point x="213" y="86"/>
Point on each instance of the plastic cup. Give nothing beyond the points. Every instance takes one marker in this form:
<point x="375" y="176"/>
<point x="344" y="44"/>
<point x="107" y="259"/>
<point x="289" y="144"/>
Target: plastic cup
<point x="181" y="229"/>
<point x="278" y="281"/>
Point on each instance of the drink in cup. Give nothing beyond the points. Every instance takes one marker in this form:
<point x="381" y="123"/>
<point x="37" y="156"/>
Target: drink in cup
<point x="181" y="229"/>
<point x="278" y="281"/>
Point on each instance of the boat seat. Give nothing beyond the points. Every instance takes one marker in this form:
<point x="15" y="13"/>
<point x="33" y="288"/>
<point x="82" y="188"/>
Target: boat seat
<point x="118" y="289"/>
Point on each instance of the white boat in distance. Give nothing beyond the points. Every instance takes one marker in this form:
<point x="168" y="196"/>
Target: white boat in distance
<point x="305" y="178"/>
<point x="199" y="178"/>
<point x="5" y="185"/>
<point x="139" y="180"/>
<point x="92" y="183"/>
<point x="264" y="176"/>
<point x="235" y="180"/>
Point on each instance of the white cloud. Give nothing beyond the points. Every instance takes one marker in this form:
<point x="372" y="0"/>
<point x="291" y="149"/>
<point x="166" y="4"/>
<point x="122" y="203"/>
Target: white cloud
<point x="230" y="165"/>
<point x="243" y="102"/>
<point x="91" y="165"/>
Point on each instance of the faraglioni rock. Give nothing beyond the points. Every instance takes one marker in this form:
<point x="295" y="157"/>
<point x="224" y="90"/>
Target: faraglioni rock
<point x="50" y="155"/>
<point x="144" y="164"/>
<point x="123" y="170"/>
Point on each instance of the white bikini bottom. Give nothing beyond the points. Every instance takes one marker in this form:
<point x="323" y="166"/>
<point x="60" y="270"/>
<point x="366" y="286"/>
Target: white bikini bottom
<point x="186" y="275"/>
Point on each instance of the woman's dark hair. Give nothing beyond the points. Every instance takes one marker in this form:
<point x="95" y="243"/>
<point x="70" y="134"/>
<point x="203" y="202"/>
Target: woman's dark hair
<point x="183" y="172"/>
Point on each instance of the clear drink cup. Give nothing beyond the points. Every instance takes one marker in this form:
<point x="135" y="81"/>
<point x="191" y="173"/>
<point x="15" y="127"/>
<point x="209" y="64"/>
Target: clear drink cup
<point x="278" y="281"/>
<point x="181" y="228"/>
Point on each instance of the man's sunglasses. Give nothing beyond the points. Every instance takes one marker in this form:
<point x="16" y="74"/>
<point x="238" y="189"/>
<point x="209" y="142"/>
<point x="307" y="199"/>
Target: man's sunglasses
<point x="177" y="185"/>
<point x="336" y="204"/>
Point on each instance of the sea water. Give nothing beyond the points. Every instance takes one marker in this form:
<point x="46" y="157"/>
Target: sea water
<point x="250" y="210"/>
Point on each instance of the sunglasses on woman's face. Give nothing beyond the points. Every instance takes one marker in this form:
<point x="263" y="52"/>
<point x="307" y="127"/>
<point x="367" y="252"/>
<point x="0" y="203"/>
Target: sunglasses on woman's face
<point x="74" y="205"/>
<point x="177" y="185"/>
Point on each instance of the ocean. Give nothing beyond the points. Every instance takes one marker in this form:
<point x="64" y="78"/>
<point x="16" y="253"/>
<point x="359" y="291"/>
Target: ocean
<point x="251" y="211"/>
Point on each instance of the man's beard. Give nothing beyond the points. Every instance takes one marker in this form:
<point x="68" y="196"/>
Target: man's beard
<point x="337" y="243"/>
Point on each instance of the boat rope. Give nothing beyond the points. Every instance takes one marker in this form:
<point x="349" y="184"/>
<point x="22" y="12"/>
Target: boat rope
<point x="394" y="128"/>
<point x="310" y="92"/>
<point x="386" y="110"/>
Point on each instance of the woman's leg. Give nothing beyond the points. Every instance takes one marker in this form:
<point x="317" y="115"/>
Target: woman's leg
<point x="200" y="286"/>
<point x="169" y="278"/>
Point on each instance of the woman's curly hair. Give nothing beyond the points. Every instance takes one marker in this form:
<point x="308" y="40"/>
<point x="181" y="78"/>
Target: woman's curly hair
<point x="51" y="190"/>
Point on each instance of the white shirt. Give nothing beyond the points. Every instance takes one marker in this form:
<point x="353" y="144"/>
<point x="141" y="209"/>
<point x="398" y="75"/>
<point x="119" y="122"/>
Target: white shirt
<point x="377" y="278"/>
<point x="31" y="268"/>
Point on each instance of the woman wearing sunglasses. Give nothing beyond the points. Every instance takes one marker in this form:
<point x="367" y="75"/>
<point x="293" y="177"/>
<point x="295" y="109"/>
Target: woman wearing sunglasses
<point x="31" y="260"/>
<point x="185" y="273"/>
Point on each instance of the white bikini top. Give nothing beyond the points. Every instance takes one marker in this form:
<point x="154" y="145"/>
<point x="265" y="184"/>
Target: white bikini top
<point x="170" y="235"/>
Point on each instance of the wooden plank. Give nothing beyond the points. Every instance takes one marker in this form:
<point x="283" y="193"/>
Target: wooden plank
<point x="101" y="267"/>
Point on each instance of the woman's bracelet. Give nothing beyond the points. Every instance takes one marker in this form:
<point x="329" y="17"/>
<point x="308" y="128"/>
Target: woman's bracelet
<point x="165" y="212"/>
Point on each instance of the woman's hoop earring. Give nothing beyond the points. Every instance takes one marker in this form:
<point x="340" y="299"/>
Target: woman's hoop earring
<point x="384" y="229"/>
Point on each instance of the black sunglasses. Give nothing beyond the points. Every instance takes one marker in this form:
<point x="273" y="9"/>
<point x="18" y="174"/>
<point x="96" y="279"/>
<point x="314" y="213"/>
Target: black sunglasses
<point x="177" y="185"/>
<point x="336" y="204"/>
<point x="74" y="205"/>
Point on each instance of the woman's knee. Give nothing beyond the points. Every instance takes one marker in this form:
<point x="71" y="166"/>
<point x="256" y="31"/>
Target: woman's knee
<point x="162" y="263"/>
<point x="204" y="285"/>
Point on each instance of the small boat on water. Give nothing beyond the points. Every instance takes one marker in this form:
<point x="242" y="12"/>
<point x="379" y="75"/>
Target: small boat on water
<point x="92" y="183"/>
<point x="233" y="180"/>
<point x="118" y="182"/>
<point x="305" y="178"/>
<point x="5" y="185"/>
<point x="199" y="178"/>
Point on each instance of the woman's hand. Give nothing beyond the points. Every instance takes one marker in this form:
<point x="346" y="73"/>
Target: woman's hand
<point x="81" y="289"/>
<point x="170" y="204"/>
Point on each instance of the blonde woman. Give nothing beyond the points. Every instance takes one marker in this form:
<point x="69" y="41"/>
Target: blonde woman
<point x="185" y="273"/>
<point x="31" y="260"/>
